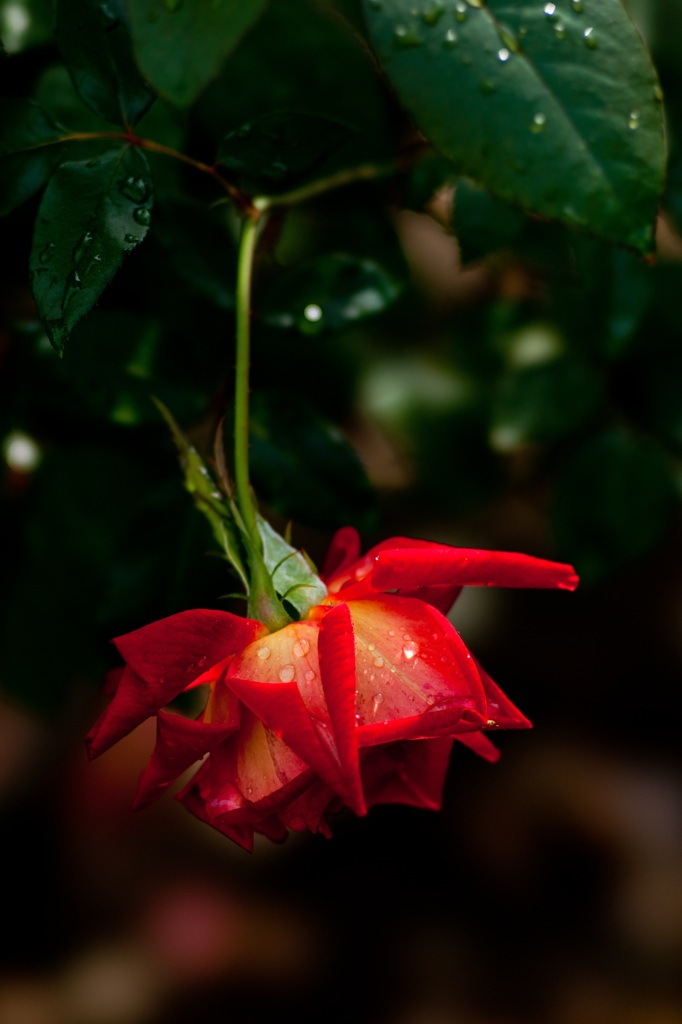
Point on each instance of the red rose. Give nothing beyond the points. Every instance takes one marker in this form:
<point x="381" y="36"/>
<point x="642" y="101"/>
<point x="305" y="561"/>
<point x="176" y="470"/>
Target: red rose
<point x="357" y="704"/>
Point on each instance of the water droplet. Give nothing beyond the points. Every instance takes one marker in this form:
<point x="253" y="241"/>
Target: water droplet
<point x="461" y="11"/>
<point x="287" y="673"/>
<point x="406" y="636"/>
<point x="379" y="662"/>
<point x="82" y="246"/>
<point x="406" y="37"/>
<point x="590" y="41"/>
<point x="487" y="86"/>
<point x="301" y="648"/>
<point x="249" y="790"/>
<point x="309" y="676"/>
<point x="47" y="252"/>
<point x="391" y="632"/>
<point x="130" y="239"/>
<point x="202" y="660"/>
<point x="491" y="723"/>
<point x="550" y="10"/>
<point x="378" y="699"/>
<point x="142" y="216"/>
<point x="312" y="312"/>
<point x="410" y="650"/>
<point x="538" y="123"/>
<point x="578" y="6"/>
<point x="633" y="120"/>
<point x="560" y="30"/>
<point x="435" y="636"/>
<point x="134" y="188"/>
<point x="450" y="38"/>
<point x="263" y="653"/>
<point x="433" y="12"/>
<point x="503" y="55"/>
<point x="430" y="700"/>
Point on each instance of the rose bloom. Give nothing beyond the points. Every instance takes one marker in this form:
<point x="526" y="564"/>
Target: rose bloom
<point x="357" y="704"/>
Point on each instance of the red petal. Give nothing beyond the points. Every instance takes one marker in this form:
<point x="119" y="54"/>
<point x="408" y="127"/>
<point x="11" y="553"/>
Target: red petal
<point x="180" y="743"/>
<point x="343" y="551"/>
<point x="194" y="799"/>
<point x="184" y="649"/>
<point x="336" y="649"/>
<point x="415" y="677"/>
<point x="480" y="744"/>
<point x="278" y="678"/>
<point x="501" y="711"/>
<point x="407" y="773"/>
<point x="441" y="565"/>
<point x="131" y="704"/>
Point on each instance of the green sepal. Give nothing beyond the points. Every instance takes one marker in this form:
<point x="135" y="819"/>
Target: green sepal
<point x="208" y="498"/>
<point x="293" y="574"/>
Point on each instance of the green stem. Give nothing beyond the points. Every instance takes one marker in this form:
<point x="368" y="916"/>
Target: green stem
<point x="243" y="493"/>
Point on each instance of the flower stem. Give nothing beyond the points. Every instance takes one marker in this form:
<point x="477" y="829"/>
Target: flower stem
<point x="243" y="493"/>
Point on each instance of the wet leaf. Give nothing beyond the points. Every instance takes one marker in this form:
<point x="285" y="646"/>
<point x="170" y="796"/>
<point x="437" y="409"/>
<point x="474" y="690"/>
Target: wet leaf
<point x="94" y="38"/>
<point x="29" y="150"/>
<point x="294" y="578"/>
<point x="181" y="44"/>
<point x="92" y="214"/>
<point x="552" y="107"/>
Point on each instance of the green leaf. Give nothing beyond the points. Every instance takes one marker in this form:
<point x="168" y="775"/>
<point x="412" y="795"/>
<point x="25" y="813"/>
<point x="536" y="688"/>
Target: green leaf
<point x="95" y="42"/>
<point x="93" y="213"/>
<point x="181" y="44"/>
<point x="29" y="150"/>
<point x="542" y="403"/>
<point x="554" y="107"/>
<point x="278" y="150"/>
<point x="329" y="293"/>
<point x="303" y="467"/>
<point x="294" y="578"/>
<point x="613" y="500"/>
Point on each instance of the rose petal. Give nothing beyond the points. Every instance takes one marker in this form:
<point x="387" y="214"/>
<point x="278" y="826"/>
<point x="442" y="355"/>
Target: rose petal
<point x="441" y="564"/>
<point x="415" y="677"/>
<point x="501" y="711"/>
<point x="336" y="650"/>
<point x="343" y="551"/>
<point x="480" y="744"/>
<point x="407" y="773"/>
<point x="131" y="704"/>
<point x="180" y="743"/>
<point x="184" y="649"/>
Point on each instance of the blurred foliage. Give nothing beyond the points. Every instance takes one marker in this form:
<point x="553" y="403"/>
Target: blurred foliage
<point x="550" y="373"/>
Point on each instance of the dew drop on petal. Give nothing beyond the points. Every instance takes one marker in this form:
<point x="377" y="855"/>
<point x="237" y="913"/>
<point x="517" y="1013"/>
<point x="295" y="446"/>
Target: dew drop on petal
<point x="406" y="636"/>
<point x="287" y="673"/>
<point x="391" y="632"/>
<point x="309" y="676"/>
<point x="491" y="723"/>
<point x="379" y="662"/>
<point x="430" y="700"/>
<point x="263" y="653"/>
<point x="371" y="647"/>
<point x="410" y="650"/>
<point x="301" y="648"/>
